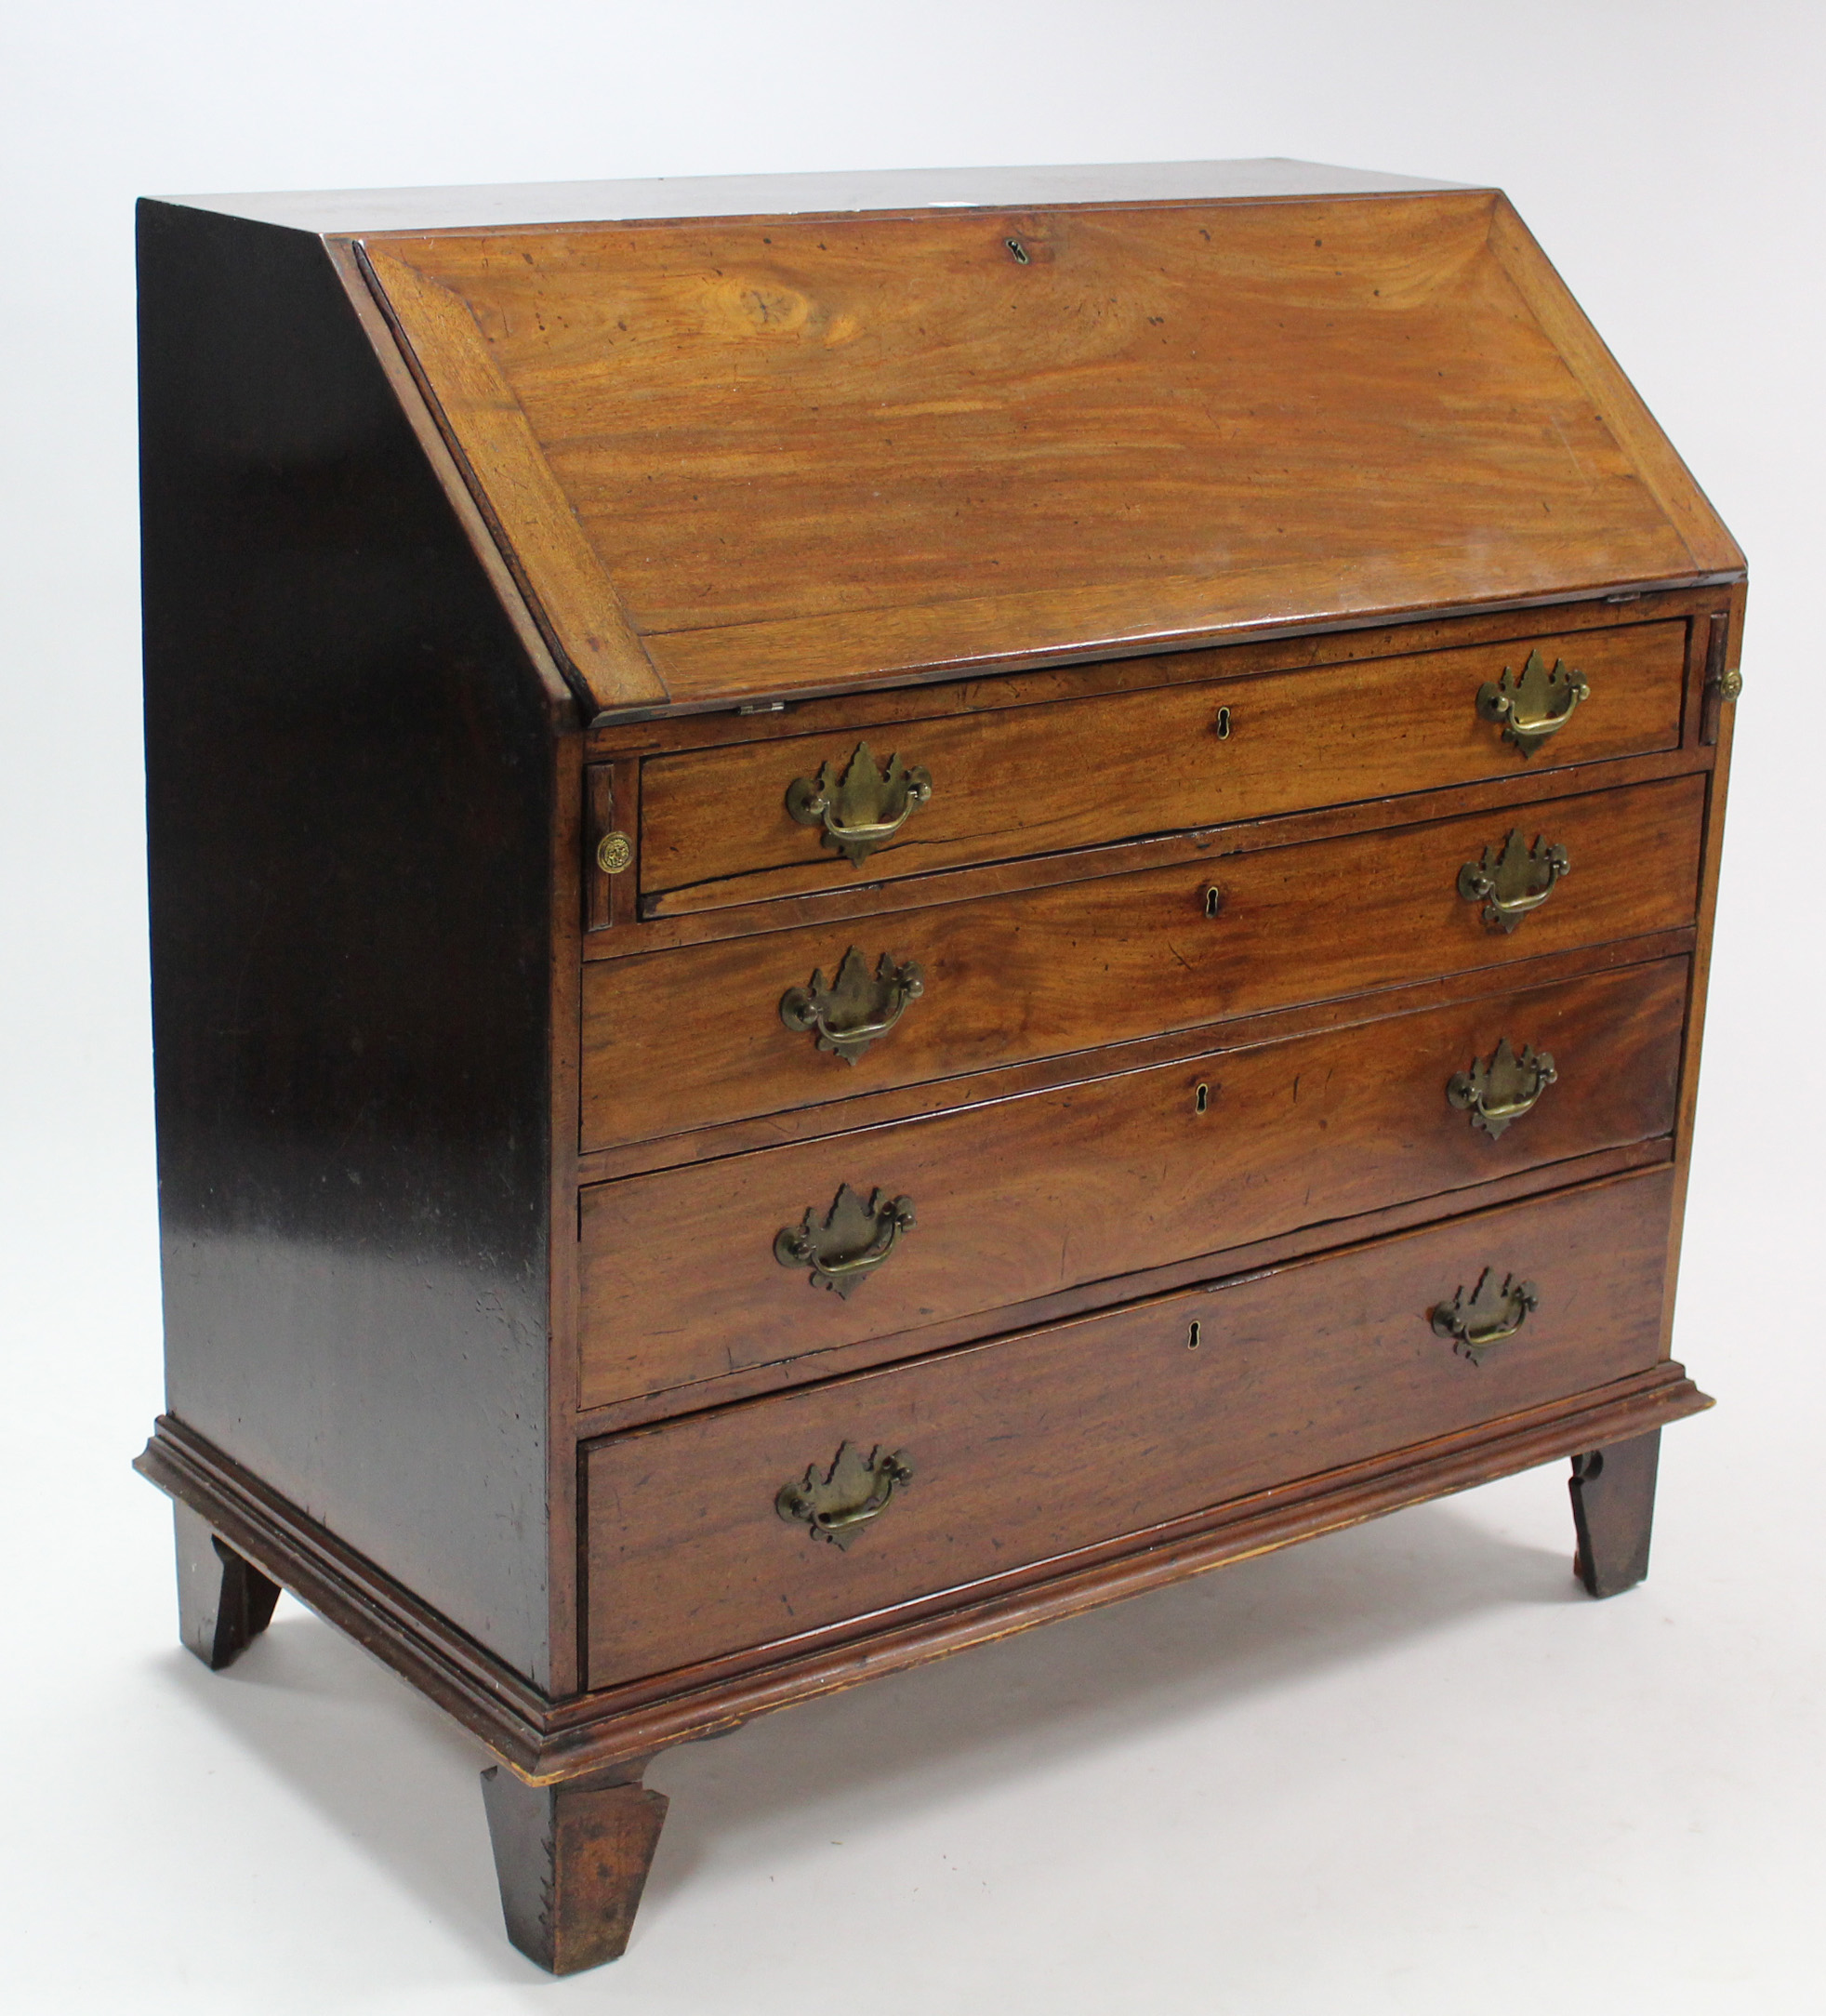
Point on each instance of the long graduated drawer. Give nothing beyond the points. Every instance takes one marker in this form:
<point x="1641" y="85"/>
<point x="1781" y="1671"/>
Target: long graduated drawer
<point x="716" y="825"/>
<point x="690" y="1037"/>
<point x="1022" y="1450"/>
<point x="684" y="1278"/>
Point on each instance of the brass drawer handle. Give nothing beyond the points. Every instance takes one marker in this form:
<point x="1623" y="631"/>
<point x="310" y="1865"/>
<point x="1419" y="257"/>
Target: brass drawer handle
<point x="855" y="1489"/>
<point x="1511" y="880"/>
<point x="857" y="1008"/>
<point x="1491" y="1316"/>
<point x="1503" y="1089"/>
<point x="1536" y="706"/>
<point x="851" y="1243"/>
<point x="865" y="808"/>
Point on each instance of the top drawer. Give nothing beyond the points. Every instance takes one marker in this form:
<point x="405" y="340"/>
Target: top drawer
<point x="803" y="813"/>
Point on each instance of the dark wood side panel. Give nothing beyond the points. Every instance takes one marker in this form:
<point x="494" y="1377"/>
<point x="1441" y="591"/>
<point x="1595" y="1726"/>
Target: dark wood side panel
<point x="1041" y="972"/>
<point x="1028" y="1196"/>
<point x="715" y="827"/>
<point x="349" y="764"/>
<point x="1024" y="1450"/>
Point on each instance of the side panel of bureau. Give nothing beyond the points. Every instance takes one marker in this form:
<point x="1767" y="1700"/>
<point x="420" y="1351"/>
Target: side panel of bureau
<point x="1024" y="1450"/>
<point x="350" y="797"/>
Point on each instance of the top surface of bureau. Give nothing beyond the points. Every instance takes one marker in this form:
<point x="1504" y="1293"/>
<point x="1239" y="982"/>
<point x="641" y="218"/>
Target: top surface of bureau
<point x="734" y="459"/>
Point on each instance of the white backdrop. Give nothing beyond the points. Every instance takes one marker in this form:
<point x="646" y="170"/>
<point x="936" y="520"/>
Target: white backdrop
<point x="1402" y="1769"/>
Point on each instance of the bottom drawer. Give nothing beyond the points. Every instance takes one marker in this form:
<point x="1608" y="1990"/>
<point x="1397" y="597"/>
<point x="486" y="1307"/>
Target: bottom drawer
<point x="1032" y="1446"/>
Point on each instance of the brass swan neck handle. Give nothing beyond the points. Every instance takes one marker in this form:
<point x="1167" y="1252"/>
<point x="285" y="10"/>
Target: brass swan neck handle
<point x="1535" y="706"/>
<point x="1489" y="1316"/>
<point x="865" y="808"/>
<point x="857" y="1008"/>
<point x="1503" y="1089"/>
<point x="854" y="1492"/>
<point x="1514" y="879"/>
<point x="853" y="1239"/>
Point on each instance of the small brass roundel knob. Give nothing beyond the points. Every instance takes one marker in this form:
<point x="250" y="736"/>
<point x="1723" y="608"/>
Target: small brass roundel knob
<point x="613" y="852"/>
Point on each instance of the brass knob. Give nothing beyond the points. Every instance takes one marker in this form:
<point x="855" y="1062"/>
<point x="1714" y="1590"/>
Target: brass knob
<point x="854" y="1491"/>
<point x="865" y="808"/>
<point x="1536" y="706"/>
<point x="613" y="852"/>
<point x="1490" y="1317"/>
<point x="857" y="1009"/>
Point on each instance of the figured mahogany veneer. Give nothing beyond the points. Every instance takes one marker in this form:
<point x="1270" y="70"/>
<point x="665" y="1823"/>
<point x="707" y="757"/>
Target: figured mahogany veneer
<point x="1022" y="1198"/>
<point x="714" y="826"/>
<point x="1028" y="1450"/>
<point x="1263" y="1089"/>
<point x="1055" y="970"/>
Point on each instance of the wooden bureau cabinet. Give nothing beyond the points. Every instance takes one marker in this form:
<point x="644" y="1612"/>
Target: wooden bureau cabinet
<point x="885" y="905"/>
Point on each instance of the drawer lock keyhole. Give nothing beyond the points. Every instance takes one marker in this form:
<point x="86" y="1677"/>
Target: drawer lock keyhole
<point x="1213" y="901"/>
<point x="1202" y="1099"/>
<point x="1195" y="1337"/>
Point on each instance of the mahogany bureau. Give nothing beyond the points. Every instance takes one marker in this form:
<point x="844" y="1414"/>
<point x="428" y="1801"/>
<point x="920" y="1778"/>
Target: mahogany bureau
<point x="885" y="905"/>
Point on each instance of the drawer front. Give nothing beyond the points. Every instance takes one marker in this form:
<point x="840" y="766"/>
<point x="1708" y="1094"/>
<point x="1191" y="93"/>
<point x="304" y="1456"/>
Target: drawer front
<point x="1025" y="1449"/>
<point x="716" y="825"/>
<point x="683" y="1280"/>
<point x="692" y="1037"/>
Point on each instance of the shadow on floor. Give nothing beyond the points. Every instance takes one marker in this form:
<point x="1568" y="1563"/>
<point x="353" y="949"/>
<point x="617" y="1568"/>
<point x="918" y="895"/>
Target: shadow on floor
<point x="392" y="1772"/>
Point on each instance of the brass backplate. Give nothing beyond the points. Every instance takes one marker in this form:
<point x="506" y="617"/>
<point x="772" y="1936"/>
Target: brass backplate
<point x="1499" y="1092"/>
<point x="1535" y="707"/>
<point x="1488" y="1315"/>
<point x="858" y="1008"/>
<point x="1514" y="879"/>
<point x="865" y="808"/>
<point x="852" y="1494"/>
<point x="850" y="1242"/>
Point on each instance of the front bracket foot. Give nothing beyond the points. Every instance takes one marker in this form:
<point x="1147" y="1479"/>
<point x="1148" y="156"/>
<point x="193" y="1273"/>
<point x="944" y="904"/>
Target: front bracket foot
<point x="1613" y="1513"/>
<point x="573" y="1861"/>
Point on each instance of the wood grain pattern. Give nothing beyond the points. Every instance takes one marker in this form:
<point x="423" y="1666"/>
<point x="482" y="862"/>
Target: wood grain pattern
<point x="1027" y="1448"/>
<point x="572" y="1860"/>
<point x="1050" y="970"/>
<point x="1028" y="1196"/>
<point x="513" y="485"/>
<point x="715" y="828"/>
<point x="1667" y="478"/>
<point x="1294" y="652"/>
<point x="549" y="1740"/>
<point x="810" y="452"/>
<point x="868" y="1108"/>
<point x="1497" y="797"/>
